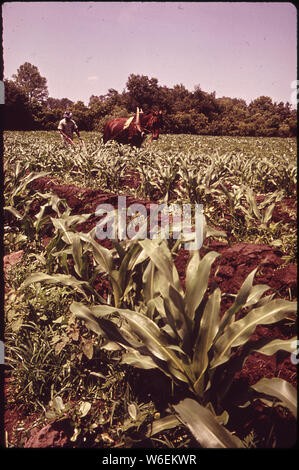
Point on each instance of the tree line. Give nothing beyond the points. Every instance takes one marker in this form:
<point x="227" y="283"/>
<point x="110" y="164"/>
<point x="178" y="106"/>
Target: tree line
<point x="29" y="107"/>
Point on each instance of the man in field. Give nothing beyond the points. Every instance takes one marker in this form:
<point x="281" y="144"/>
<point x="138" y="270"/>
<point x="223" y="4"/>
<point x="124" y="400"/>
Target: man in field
<point x="67" y="127"/>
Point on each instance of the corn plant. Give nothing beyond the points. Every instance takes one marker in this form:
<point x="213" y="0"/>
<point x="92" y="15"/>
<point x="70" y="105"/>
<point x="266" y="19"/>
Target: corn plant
<point x="148" y="319"/>
<point x="263" y="211"/>
<point x="89" y="260"/>
<point x="109" y="166"/>
<point x="181" y="333"/>
<point x="284" y="176"/>
<point x="159" y="173"/>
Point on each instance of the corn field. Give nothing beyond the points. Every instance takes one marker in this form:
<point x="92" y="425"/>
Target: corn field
<point x="139" y="343"/>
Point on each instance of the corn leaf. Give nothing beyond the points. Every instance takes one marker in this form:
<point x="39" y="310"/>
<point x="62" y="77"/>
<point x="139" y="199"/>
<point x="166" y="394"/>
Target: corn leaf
<point x="162" y="259"/>
<point x="245" y="294"/>
<point x="168" y="422"/>
<point x="208" y="328"/>
<point x="60" y="224"/>
<point x="268" y="213"/>
<point x="175" y="311"/>
<point x="197" y="283"/>
<point x="65" y="279"/>
<point x="148" y="282"/>
<point x="134" y="358"/>
<point x="240" y="331"/>
<point x="128" y="260"/>
<point x="204" y="425"/>
<point x="101" y="254"/>
<point x="13" y="211"/>
<point x="137" y="325"/>
<point x="84" y="313"/>
<point x="77" y="254"/>
<point x="280" y="389"/>
<point x="150" y="335"/>
<point x="278" y="345"/>
<point x="255" y="294"/>
<point x="253" y="205"/>
<point x="153" y="250"/>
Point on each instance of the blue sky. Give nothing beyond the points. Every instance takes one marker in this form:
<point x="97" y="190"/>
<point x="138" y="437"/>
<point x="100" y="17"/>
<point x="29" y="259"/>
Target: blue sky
<point x="241" y="50"/>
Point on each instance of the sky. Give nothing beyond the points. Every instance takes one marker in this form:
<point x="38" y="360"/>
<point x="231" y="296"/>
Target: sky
<point x="239" y="50"/>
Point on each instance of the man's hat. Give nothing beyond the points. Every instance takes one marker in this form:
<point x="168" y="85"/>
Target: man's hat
<point x="67" y="114"/>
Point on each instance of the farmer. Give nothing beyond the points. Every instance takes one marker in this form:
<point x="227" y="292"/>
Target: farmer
<point x="66" y="128"/>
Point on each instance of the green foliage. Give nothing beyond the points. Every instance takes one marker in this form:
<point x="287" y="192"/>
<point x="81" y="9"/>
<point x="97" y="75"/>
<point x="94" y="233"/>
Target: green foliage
<point x="29" y="80"/>
<point x="185" y="112"/>
<point x="181" y="334"/>
<point x="178" y="329"/>
<point x="218" y="172"/>
<point x="18" y="114"/>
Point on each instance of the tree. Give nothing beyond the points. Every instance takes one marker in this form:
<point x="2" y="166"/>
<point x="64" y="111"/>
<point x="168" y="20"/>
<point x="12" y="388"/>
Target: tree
<point x="96" y="100"/>
<point x="27" y="106"/>
<point x="29" y="80"/>
<point x="56" y="103"/>
<point x="143" y="92"/>
<point x="263" y="104"/>
<point x="17" y="112"/>
<point x="203" y="102"/>
<point x="82" y="115"/>
<point x="181" y="99"/>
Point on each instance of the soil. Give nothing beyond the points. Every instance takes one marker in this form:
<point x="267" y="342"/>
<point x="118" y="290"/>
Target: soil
<point x="228" y="272"/>
<point x="11" y="259"/>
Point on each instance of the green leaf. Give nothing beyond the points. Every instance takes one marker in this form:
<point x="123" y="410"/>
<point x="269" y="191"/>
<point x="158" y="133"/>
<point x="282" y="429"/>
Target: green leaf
<point x="39" y="217"/>
<point x="150" y="335"/>
<point x="208" y="329"/>
<point x="162" y="259"/>
<point x="134" y="358"/>
<point x="60" y="224"/>
<point x="77" y="254"/>
<point x="84" y="313"/>
<point x="268" y="213"/>
<point x="255" y="294"/>
<point x="128" y="260"/>
<point x="13" y="211"/>
<point x="245" y="294"/>
<point x="101" y="254"/>
<point x="168" y="422"/>
<point x="280" y="389"/>
<point x="153" y="250"/>
<point x="198" y="278"/>
<point x="175" y="311"/>
<point x="278" y="345"/>
<point x="135" y="326"/>
<point x="191" y="269"/>
<point x="240" y="331"/>
<point x="204" y="426"/>
<point x="65" y="279"/>
<point x="148" y="282"/>
<point x="27" y="180"/>
<point x="253" y="205"/>
<point x="96" y="318"/>
<point x="211" y="232"/>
